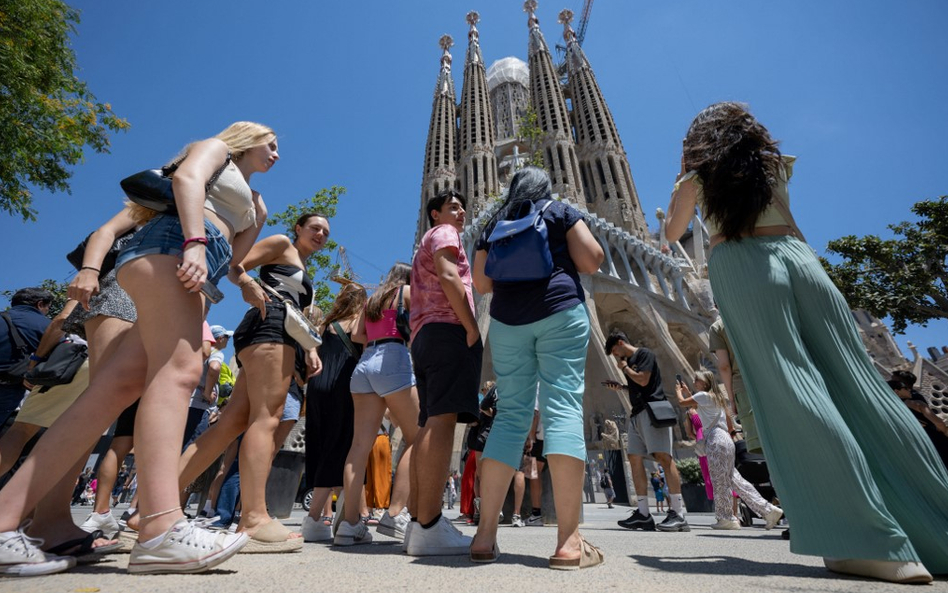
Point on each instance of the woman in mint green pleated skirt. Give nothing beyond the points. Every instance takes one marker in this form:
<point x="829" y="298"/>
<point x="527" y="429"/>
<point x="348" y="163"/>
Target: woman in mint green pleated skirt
<point x="860" y="483"/>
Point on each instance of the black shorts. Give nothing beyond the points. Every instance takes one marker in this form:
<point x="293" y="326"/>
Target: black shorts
<point x="537" y="451"/>
<point x="125" y="425"/>
<point x="253" y="330"/>
<point x="447" y="372"/>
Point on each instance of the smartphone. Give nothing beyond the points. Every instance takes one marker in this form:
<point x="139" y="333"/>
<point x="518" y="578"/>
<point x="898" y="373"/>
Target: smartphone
<point x="213" y="294"/>
<point x="678" y="378"/>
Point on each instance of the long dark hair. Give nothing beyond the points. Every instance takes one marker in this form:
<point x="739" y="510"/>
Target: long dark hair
<point x="529" y="184"/>
<point x="349" y="302"/>
<point x="398" y="276"/>
<point x="738" y="162"/>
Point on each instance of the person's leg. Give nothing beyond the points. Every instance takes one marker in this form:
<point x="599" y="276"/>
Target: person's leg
<point x="639" y="477"/>
<point x="108" y="471"/>
<point x="566" y="474"/>
<point x="433" y="449"/>
<point x="519" y="488"/>
<point x="13" y="442"/>
<point x="230" y="454"/>
<point x="808" y="442"/>
<point x="369" y="409"/>
<point x="229" y="495"/>
<point x="268" y="368"/>
<point x="720" y="464"/>
<point x="495" y="481"/>
<point x="218" y="437"/>
<point x="403" y="406"/>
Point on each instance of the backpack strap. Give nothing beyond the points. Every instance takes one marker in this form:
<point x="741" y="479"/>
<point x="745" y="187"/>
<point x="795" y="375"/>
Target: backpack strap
<point x="353" y="352"/>
<point x="15" y="334"/>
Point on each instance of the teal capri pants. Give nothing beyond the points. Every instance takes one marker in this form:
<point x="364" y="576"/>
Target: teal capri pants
<point x="853" y="468"/>
<point x="551" y="351"/>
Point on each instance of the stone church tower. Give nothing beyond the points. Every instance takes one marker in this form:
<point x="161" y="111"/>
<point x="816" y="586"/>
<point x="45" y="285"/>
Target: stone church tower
<point x="604" y="168"/>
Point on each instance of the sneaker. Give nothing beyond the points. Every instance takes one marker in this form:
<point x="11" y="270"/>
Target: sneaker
<point x="673" y="522"/>
<point x="535" y="521"/>
<point x="638" y="521"/>
<point x="442" y="539"/>
<point x="351" y="535"/>
<point x="772" y="517"/>
<point x="21" y="556"/>
<point x="123" y="520"/>
<point x="516" y="521"/>
<point x="408" y="531"/>
<point x="315" y="530"/>
<point x="186" y="547"/>
<point x="207" y="522"/>
<point x="727" y="524"/>
<point x="106" y="522"/>
<point x="394" y="526"/>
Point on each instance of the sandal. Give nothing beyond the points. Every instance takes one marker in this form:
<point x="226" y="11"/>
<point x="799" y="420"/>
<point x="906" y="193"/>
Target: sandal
<point x="84" y="548"/>
<point x="486" y="557"/>
<point x="589" y="556"/>
<point x="272" y="538"/>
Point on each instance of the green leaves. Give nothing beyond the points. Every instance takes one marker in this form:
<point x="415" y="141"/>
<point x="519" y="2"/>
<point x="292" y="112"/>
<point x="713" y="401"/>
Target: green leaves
<point x="319" y="266"/>
<point x="532" y="134"/>
<point x="47" y="115"/>
<point x="904" y="278"/>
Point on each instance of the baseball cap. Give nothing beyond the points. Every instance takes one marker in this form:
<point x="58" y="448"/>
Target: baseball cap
<point x="219" y="332"/>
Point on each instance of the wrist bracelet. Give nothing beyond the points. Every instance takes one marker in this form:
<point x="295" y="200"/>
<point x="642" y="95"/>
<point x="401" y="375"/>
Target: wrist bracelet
<point x="36" y="358"/>
<point x="90" y="268"/>
<point x="242" y="284"/>
<point x="201" y="240"/>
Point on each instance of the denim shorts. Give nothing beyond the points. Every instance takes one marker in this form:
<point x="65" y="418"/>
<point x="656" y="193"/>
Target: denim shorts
<point x="383" y="369"/>
<point x="293" y="405"/>
<point x="162" y="235"/>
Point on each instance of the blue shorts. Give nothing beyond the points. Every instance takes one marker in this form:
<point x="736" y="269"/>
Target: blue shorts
<point x="293" y="405"/>
<point x="383" y="369"/>
<point x="162" y="235"/>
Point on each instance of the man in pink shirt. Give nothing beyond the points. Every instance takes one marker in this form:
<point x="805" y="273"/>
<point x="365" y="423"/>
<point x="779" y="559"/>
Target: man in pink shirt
<point x="446" y="352"/>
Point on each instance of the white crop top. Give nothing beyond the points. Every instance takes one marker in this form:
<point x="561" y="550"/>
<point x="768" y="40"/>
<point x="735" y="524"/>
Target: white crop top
<point x="232" y="199"/>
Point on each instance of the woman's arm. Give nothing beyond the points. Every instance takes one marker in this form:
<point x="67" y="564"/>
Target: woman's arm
<point x="446" y="266"/>
<point x="681" y="209"/>
<point x="244" y="241"/>
<point x="85" y="284"/>
<point x="584" y="249"/>
<point x="359" y="335"/>
<point x="482" y="282"/>
<point x="188" y="183"/>
<point x="685" y="402"/>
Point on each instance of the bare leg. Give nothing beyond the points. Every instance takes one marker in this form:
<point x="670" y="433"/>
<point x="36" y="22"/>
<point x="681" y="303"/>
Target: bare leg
<point x="433" y="454"/>
<point x="639" y="477"/>
<point x="268" y="368"/>
<point x="279" y="436"/>
<point x="495" y="480"/>
<point x="321" y="505"/>
<point x="217" y="438"/>
<point x="108" y="471"/>
<point x="214" y="491"/>
<point x="536" y="487"/>
<point x="567" y="476"/>
<point x="519" y="488"/>
<point x="403" y="406"/>
<point x="369" y="409"/>
<point x="13" y="442"/>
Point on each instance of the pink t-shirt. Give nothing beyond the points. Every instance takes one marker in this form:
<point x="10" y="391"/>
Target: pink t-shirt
<point x="207" y="335"/>
<point x="429" y="304"/>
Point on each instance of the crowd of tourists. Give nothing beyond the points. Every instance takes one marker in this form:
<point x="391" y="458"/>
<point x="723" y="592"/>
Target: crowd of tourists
<point x="410" y="356"/>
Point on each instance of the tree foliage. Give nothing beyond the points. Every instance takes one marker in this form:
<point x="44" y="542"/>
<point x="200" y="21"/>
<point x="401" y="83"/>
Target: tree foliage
<point x="47" y="115"/>
<point x="532" y="134"/>
<point x="58" y="289"/>
<point x="319" y="266"/>
<point x="904" y="278"/>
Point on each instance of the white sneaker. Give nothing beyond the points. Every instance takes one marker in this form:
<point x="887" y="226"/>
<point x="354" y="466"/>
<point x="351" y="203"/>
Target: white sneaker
<point x="351" y="535"/>
<point x="408" y="532"/>
<point x="186" y="547"/>
<point x="442" y="539"/>
<point x="516" y="521"/>
<point x="727" y="524"/>
<point x="106" y="523"/>
<point x="535" y="521"/>
<point x="394" y="526"/>
<point x="316" y="530"/>
<point x="772" y="517"/>
<point x="21" y="556"/>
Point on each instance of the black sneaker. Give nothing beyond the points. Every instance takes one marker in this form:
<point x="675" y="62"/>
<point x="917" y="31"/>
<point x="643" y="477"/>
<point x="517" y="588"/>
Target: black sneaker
<point x="673" y="522"/>
<point x="638" y="521"/>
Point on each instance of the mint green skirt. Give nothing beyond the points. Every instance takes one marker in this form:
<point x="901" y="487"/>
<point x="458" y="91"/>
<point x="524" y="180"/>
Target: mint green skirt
<point x="854" y="471"/>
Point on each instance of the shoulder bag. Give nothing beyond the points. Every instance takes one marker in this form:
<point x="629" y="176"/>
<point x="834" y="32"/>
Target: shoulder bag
<point x="78" y="254"/>
<point x="661" y="413"/>
<point x="16" y="367"/>
<point x="61" y="366"/>
<point x="295" y="323"/>
<point x="520" y="249"/>
<point x="402" y="317"/>
<point x="152" y="189"/>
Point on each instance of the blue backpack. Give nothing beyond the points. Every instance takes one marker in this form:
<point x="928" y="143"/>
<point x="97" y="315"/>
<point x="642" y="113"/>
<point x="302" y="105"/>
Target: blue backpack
<point x="520" y="249"/>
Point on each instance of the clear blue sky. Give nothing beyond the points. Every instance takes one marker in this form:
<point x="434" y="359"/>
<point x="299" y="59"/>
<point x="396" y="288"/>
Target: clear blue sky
<point x="855" y="89"/>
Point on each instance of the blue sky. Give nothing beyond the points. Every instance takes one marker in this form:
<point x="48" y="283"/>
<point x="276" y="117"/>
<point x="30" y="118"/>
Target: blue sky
<point x="855" y="89"/>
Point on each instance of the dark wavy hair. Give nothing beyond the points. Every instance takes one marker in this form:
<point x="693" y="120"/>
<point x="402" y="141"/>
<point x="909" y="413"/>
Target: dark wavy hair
<point x="738" y="162"/>
<point x="398" y="276"/>
<point x="530" y="184"/>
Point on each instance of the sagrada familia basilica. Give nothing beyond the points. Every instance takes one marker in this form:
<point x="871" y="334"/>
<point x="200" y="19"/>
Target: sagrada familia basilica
<point x="662" y="302"/>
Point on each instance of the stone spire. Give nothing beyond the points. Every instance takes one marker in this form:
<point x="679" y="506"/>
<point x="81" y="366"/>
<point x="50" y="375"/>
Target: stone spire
<point x="477" y="164"/>
<point x="604" y="167"/>
<point x="440" y="150"/>
<point x="559" y="153"/>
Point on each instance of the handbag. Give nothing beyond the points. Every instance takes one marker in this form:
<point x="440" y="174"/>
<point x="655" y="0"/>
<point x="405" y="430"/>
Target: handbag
<point x="296" y="324"/>
<point x="402" y="318"/>
<point x="61" y="366"/>
<point x="661" y="413"/>
<point x="77" y="255"/>
<point x="18" y="366"/>
<point x="152" y="189"/>
<point x="520" y="249"/>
